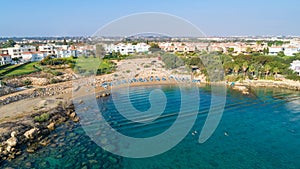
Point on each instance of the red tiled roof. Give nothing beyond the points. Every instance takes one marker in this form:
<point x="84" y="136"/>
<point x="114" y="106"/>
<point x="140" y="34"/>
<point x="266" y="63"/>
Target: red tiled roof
<point x="72" y="47"/>
<point x="28" y="53"/>
<point x="4" y="55"/>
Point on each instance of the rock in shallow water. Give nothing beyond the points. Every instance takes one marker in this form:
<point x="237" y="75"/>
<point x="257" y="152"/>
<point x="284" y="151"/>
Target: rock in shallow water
<point x="59" y="156"/>
<point x="45" y="164"/>
<point x="106" y="165"/>
<point x="51" y="126"/>
<point x="28" y="165"/>
<point x="84" y="167"/>
<point x="90" y="155"/>
<point x="93" y="161"/>
<point x="44" y="142"/>
<point x="112" y="159"/>
<point x="30" y="150"/>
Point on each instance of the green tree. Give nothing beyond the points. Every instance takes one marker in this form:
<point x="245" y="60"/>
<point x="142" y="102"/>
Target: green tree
<point x="154" y="47"/>
<point x="65" y="42"/>
<point x="270" y="43"/>
<point x="194" y="61"/>
<point x="280" y="54"/>
<point x="172" y="61"/>
<point x="249" y="50"/>
<point x="267" y="69"/>
<point x="276" y="71"/>
<point x="266" y="51"/>
<point x="252" y="69"/>
<point x="229" y="66"/>
<point x="236" y="69"/>
<point x="245" y="67"/>
<point x="230" y="50"/>
<point x="27" y="82"/>
<point x="258" y="43"/>
<point x="9" y="43"/>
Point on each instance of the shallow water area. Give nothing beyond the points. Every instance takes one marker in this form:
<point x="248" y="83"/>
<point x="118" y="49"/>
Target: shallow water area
<point x="261" y="130"/>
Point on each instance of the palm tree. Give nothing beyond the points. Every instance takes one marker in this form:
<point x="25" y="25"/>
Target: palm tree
<point x="276" y="71"/>
<point x="245" y="67"/>
<point x="259" y="74"/>
<point x="236" y="69"/>
<point x="252" y="69"/>
<point x="248" y="50"/>
<point x="267" y="69"/>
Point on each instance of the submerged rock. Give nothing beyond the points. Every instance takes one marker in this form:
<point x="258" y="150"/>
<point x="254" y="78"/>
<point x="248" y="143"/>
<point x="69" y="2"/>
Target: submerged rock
<point x="59" y="156"/>
<point x="44" y="142"/>
<point x="112" y="159"/>
<point x="30" y="150"/>
<point x="93" y="161"/>
<point x="84" y="167"/>
<point x="106" y="165"/>
<point x="45" y="164"/>
<point x="28" y="165"/>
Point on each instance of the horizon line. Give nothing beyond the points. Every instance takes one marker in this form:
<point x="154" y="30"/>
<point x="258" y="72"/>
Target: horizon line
<point x="83" y="36"/>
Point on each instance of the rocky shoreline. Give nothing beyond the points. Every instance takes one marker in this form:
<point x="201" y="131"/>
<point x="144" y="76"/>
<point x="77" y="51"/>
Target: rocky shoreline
<point x="31" y="132"/>
<point x="245" y="86"/>
<point x="286" y="84"/>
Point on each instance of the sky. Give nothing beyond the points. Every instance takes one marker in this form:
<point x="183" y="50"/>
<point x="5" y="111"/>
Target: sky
<point x="23" y="18"/>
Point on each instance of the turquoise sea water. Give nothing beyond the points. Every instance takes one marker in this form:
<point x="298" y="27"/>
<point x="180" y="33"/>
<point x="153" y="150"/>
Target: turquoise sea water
<point x="261" y="130"/>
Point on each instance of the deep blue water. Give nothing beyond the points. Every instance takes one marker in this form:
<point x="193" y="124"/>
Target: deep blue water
<point x="261" y="130"/>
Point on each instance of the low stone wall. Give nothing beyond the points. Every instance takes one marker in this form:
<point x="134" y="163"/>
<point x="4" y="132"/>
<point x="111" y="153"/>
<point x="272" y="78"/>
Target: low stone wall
<point x="4" y="90"/>
<point x="39" y="92"/>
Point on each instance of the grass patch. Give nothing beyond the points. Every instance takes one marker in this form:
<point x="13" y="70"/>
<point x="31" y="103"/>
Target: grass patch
<point x="92" y="66"/>
<point x="22" y="70"/>
<point x="3" y="70"/>
<point x="42" y="118"/>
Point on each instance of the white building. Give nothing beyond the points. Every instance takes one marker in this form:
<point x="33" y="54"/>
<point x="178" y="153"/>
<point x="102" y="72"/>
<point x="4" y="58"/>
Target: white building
<point x="49" y="49"/>
<point x="126" y="49"/>
<point x="33" y="56"/>
<point x="64" y="47"/>
<point x="5" y="59"/>
<point x="66" y="52"/>
<point x="141" y="47"/>
<point x="17" y="51"/>
<point x="275" y="50"/>
<point x="295" y="66"/>
<point x="290" y="51"/>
